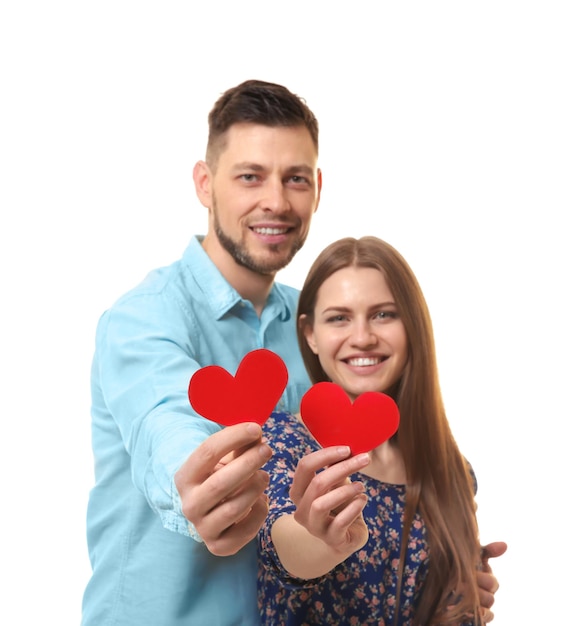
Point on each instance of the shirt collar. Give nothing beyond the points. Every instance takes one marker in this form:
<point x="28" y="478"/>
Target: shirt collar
<point x="220" y="296"/>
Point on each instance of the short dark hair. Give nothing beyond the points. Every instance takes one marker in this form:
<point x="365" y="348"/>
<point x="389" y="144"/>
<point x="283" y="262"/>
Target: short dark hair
<point x="256" y="102"/>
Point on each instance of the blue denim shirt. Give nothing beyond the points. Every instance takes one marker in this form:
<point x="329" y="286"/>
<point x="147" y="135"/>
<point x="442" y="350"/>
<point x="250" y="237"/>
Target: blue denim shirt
<point x="147" y="570"/>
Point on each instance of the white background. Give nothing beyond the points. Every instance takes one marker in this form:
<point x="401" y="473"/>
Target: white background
<point x="447" y="128"/>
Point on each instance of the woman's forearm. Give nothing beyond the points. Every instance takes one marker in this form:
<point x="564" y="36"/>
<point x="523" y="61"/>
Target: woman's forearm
<point x="304" y="555"/>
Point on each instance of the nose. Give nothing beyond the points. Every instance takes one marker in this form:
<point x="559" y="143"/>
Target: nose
<point x="362" y="334"/>
<point x="275" y="197"/>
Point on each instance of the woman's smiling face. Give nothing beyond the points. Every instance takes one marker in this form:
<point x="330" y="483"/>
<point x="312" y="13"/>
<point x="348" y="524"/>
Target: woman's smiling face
<point x="356" y="332"/>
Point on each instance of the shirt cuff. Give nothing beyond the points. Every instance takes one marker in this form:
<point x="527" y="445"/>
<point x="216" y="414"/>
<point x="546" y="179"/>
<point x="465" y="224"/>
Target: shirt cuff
<point x="193" y="533"/>
<point x="176" y="521"/>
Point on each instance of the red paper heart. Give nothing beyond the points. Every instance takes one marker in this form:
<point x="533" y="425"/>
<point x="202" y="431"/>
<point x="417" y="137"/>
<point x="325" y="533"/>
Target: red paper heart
<point x="362" y="425"/>
<point x="249" y="396"/>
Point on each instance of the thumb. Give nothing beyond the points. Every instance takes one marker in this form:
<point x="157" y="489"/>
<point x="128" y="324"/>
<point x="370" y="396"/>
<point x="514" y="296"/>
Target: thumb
<point x="491" y="551"/>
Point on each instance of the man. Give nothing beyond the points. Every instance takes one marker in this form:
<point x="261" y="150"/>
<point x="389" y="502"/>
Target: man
<point x="165" y="476"/>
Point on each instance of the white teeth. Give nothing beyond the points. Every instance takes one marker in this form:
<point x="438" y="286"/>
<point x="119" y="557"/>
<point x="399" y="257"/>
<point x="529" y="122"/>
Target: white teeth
<point x="363" y="362"/>
<point x="270" y="231"/>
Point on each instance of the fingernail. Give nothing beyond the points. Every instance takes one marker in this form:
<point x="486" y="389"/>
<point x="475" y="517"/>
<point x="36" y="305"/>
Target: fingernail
<point x="344" y="450"/>
<point x="265" y="451"/>
<point x="364" y="458"/>
<point x="253" y="429"/>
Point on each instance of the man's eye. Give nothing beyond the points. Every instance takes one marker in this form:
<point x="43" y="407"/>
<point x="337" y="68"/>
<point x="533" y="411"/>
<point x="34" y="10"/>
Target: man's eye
<point x="248" y="178"/>
<point x="299" y="180"/>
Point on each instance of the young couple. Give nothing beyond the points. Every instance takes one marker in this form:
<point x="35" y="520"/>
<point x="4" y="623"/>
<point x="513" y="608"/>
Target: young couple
<point x="178" y="501"/>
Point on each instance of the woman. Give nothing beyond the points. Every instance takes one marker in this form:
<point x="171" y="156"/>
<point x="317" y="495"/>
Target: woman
<point x="397" y="543"/>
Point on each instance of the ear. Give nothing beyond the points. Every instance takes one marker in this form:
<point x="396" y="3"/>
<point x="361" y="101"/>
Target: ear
<point x="203" y="183"/>
<point x="307" y="331"/>
<point x="319" y="187"/>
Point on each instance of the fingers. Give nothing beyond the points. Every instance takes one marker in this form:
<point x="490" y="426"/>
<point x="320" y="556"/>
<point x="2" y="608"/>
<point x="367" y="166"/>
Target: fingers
<point x="199" y="469"/>
<point x="321" y="493"/>
<point x="335" y="499"/>
<point x="222" y="487"/>
<point x="343" y="503"/>
<point x="329" y="505"/>
<point x="491" y="551"/>
<point x="344" y="532"/>
<point x="308" y="478"/>
<point x="310" y="464"/>
<point x="486" y="580"/>
<point x="232" y="476"/>
<point x="201" y="463"/>
<point x="226" y="525"/>
<point x="237" y="535"/>
<point x="488" y="585"/>
<point x="347" y="532"/>
<point x="335" y="530"/>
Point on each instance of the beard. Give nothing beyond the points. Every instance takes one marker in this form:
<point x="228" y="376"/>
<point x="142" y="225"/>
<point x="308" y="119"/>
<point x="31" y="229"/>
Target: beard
<point x="241" y="255"/>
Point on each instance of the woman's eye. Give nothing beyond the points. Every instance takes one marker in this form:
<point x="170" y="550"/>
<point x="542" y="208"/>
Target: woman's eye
<point x="387" y="315"/>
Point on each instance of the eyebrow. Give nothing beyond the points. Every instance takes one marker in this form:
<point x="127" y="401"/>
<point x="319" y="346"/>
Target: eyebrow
<point x="301" y="169"/>
<point x="247" y="165"/>
<point x="345" y="309"/>
<point x="256" y="167"/>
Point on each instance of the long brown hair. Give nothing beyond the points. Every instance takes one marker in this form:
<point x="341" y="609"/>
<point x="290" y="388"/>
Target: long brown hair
<point x="439" y="483"/>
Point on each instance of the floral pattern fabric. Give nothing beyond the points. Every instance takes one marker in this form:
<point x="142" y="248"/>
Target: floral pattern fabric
<point x="363" y="589"/>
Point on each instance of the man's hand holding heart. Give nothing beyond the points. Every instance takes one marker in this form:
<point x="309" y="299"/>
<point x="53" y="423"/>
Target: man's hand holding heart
<point x="221" y="484"/>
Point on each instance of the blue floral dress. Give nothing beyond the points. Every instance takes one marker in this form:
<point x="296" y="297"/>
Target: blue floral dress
<point x="361" y="590"/>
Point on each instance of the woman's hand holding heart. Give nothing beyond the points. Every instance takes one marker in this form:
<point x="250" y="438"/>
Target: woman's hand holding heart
<point x="327" y="526"/>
